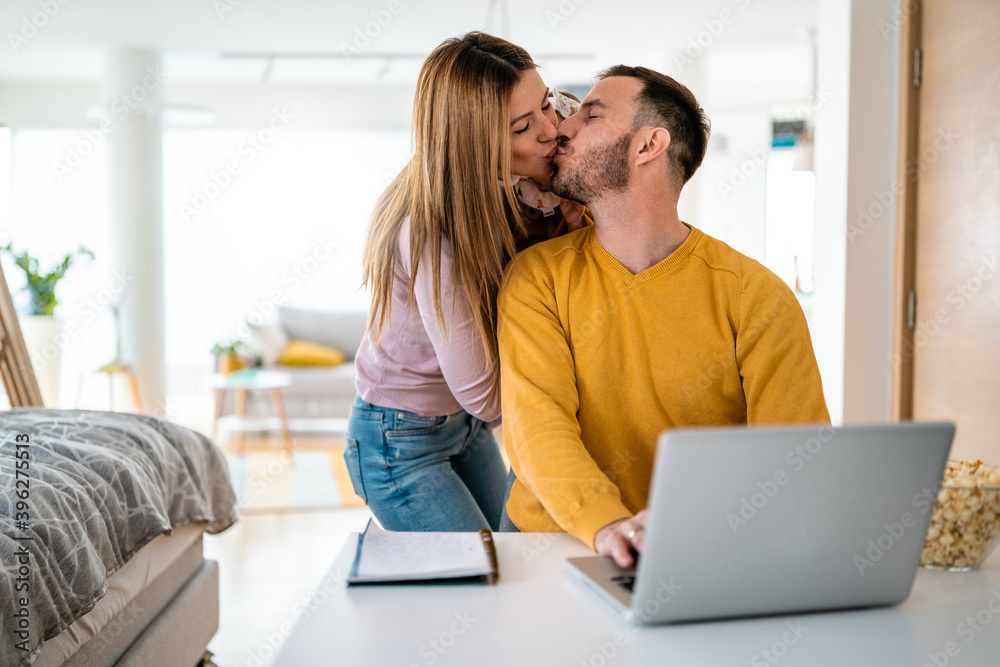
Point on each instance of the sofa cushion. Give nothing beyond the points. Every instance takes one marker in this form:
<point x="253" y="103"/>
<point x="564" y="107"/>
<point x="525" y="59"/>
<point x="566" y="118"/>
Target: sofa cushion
<point x="307" y="353"/>
<point x="267" y="341"/>
<point x="341" y="330"/>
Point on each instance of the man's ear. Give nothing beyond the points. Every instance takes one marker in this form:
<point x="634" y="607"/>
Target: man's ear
<point x="656" y="142"/>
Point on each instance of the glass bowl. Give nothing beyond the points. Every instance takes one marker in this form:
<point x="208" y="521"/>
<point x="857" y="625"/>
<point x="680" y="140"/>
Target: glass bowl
<point x="965" y="526"/>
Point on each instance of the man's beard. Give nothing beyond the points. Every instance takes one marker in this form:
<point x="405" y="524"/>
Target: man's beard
<point x="601" y="171"/>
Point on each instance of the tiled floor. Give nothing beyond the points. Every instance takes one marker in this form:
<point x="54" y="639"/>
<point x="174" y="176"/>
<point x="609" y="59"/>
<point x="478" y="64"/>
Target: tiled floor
<point x="269" y="564"/>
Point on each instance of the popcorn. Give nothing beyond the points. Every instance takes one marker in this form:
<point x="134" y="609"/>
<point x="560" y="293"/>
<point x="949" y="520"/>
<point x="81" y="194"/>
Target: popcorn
<point x="965" y="526"/>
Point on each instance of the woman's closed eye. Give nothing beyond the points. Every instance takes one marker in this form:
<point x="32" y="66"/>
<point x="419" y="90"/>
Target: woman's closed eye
<point x="524" y="129"/>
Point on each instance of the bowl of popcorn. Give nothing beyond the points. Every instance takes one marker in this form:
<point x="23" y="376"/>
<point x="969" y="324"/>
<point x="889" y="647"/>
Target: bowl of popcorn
<point x="965" y="526"/>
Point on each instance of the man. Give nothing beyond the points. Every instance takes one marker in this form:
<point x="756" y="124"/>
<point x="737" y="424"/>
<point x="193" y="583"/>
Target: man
<point x="640" y="323"/>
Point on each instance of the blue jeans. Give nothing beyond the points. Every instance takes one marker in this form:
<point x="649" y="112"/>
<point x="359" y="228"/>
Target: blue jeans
<point x="506" y="525"/>
<point x="425" y="473"/>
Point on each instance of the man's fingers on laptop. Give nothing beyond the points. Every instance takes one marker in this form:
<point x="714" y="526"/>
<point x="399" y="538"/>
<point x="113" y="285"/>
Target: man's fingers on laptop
<point x="622" y="540"/>
<point x="621" y="551"/>
<point x="604" y="540"/>
<point x="639" y="526"/>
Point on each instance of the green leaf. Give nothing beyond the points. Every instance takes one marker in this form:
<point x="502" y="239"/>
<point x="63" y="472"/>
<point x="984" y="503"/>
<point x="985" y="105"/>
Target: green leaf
<point x="41" y="287"/>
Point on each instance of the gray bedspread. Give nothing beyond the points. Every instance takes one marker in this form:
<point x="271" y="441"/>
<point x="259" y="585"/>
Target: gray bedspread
<point x="100" y="485"/>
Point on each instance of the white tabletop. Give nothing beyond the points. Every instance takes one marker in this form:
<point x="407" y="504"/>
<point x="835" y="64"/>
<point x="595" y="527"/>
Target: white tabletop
<point x="250" y="379"/>
<point x="538" y="615"/>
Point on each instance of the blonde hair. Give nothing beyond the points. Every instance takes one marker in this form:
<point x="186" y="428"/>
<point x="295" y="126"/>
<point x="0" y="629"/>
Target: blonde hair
<point x="450" y="189"/>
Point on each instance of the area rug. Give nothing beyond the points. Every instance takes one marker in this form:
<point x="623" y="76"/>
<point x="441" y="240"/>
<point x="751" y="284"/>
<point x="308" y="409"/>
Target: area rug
<point x="309" y="480"/>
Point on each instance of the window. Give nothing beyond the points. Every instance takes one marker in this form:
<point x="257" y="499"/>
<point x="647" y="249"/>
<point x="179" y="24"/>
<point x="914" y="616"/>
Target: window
<point x="790" y="219"/>
<point x="289" y="222"/>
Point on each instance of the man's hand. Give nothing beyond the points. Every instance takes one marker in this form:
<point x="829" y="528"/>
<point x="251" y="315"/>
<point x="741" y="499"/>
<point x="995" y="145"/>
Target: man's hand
<point x="621" y="538"/>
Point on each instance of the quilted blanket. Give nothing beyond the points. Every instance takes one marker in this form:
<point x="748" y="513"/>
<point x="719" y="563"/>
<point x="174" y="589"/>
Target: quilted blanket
<point x="80" y="493"/>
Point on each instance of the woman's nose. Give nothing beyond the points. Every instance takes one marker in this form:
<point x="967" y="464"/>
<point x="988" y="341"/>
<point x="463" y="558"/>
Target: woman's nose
<point x="548" y="131"/>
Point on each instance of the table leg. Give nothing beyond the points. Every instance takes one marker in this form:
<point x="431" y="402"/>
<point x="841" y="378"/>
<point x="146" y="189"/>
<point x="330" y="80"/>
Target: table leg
<point x="220" y="398"/>
<point x="241" y="412"/>
<point x="79" y="391"/>
<point x="279" y="408"/>
<point x="133" y="383"/>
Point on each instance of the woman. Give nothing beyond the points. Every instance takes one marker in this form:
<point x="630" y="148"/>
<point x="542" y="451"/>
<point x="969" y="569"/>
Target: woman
<point x="419" y="450"/>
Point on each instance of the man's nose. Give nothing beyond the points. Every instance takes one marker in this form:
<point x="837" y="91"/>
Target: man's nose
<point x="567" y="128"/>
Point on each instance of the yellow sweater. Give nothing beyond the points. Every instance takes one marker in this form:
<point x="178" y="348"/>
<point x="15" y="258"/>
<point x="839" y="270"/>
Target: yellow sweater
<point x="596" y="362"/>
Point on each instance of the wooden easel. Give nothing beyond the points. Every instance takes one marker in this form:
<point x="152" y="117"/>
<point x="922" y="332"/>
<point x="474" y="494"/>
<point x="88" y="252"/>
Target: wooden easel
<point x="15" y="366"/>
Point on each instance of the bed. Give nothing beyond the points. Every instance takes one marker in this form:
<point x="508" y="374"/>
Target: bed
<point x="101" y="523"/>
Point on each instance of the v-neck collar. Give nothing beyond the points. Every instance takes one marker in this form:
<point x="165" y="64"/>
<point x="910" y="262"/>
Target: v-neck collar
<point x="608" y="261"/>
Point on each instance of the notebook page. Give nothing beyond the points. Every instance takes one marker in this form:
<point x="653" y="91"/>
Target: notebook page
<point x="401" y="555"/>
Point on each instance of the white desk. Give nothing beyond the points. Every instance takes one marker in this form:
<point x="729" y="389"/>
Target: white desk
<point x="538" y="615"/>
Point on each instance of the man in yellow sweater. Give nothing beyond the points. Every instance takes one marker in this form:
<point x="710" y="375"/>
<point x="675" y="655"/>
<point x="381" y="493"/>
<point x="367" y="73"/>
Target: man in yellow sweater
<point x="640" y="323"/>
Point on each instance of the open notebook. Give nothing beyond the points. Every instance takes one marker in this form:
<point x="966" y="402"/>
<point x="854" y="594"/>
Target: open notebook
<point x="385" y="556"/>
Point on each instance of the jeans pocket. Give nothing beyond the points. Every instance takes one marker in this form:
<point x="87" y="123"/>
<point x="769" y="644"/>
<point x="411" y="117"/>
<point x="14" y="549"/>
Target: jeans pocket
<point x="408" y="425"/>
<point x="352" y="458"/>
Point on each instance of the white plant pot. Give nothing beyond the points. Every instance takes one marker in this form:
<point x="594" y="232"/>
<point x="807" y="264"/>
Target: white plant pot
<point x="44" y="343"/>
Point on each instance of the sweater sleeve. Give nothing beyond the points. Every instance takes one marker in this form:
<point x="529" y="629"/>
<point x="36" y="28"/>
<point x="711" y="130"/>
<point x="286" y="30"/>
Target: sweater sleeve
<point x="471" y="377"/>
<point x="777" y="365"/>
<point x="540" y="403"/>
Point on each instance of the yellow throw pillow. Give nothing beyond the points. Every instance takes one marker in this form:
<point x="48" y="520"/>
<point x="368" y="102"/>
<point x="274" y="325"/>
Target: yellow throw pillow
<point x="307" y="353"/>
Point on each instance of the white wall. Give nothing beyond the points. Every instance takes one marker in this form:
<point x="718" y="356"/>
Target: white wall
<point x="737" y="85"/>
<point x="869" y="270"/>
<point x="830" y="160"/>
<point x="855" y="159"/>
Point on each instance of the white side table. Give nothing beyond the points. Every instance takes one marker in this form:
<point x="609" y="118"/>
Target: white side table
<point x="241" y="382"/>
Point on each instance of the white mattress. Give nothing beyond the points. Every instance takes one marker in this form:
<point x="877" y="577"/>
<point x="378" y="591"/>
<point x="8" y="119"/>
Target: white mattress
<point x="123" y="586"/>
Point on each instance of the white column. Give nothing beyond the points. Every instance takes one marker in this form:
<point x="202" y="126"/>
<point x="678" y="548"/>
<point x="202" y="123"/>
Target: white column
<point x="871" y="211"/>
<point x="855" y="160"/>
<point x="830" y="161"/>
<point x="134" y="100"/>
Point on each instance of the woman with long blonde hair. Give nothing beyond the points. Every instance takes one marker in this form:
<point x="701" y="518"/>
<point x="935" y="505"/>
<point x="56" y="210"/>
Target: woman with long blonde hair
<point x="419" y="450"/>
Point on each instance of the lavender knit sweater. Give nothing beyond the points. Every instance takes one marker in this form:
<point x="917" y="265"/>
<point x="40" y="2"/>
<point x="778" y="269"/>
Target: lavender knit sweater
<point x="416" y="367"/>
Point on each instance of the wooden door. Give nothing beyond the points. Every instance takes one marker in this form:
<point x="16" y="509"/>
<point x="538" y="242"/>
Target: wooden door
<point x="952" y="244"/>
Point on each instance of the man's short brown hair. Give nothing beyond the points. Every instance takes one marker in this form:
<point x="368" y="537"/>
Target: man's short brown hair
<point x="664" y="102"/>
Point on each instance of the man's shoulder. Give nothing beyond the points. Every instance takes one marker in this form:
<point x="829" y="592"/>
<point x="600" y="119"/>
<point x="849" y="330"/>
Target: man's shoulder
<point x="720" y="256"/>
<point x="761" y="292"/>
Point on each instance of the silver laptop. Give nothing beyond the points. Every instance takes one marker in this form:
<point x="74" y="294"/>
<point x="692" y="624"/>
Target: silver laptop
<point x="779" y="520"/>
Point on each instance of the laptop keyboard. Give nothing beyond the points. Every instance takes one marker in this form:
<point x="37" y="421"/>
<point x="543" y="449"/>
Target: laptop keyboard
<point x="626" y="581"/>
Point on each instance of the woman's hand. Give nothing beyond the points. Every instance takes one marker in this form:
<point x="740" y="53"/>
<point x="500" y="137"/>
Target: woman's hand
<point x="572" y="213"/>
<point x="622" y="539"/>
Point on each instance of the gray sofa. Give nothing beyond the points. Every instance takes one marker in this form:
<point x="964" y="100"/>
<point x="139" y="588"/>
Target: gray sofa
<point x="322" y="392"/>
<point x="317" y="393"/>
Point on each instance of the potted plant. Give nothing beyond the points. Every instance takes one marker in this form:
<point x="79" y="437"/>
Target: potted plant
<point x="227" y="356"/>
<point x="41" y="286"/>
<point x="39" y="325"/>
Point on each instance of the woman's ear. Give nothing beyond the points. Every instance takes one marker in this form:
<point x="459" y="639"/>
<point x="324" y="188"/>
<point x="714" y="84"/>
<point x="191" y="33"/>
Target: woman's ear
<point x="656" y="142"/>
